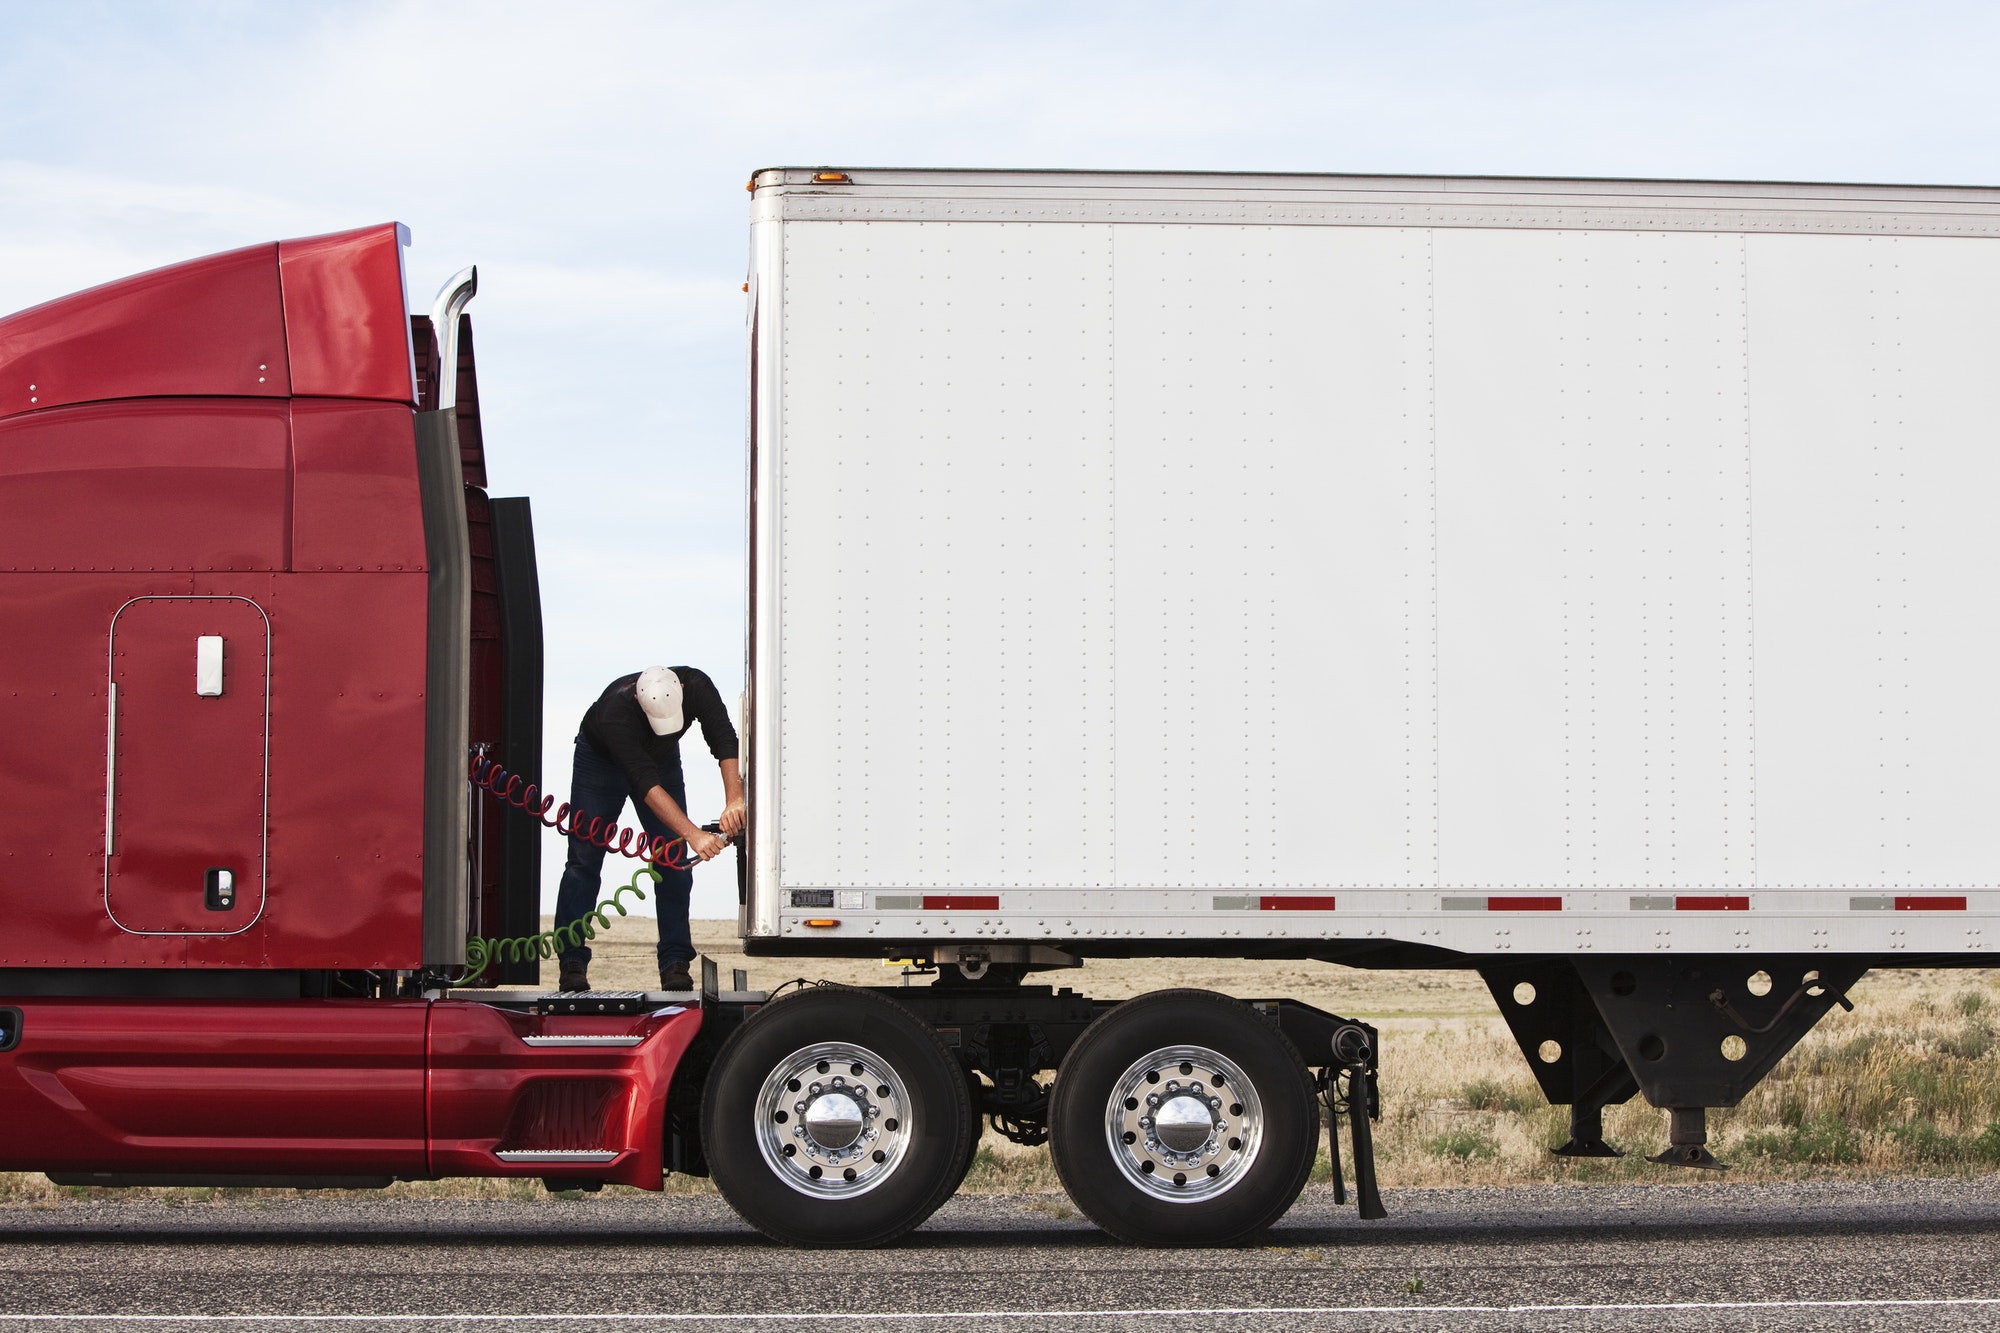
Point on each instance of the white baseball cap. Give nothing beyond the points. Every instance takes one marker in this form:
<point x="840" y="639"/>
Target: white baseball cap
<point x="659" y="692"/>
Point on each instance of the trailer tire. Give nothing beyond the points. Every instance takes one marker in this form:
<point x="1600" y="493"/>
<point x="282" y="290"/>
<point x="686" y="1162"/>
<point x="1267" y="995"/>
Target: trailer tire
<point x="975" y="1128"/>
<point x="1157" y="1161"/>
<point x="835" y="1118"/>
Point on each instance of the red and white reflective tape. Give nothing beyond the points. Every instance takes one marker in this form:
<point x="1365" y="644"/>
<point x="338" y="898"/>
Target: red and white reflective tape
<point x="937" y="902"/>
<point x="1504" y="903"/>
<point x="1884" y="902"/>
<point x="1691" y="902"/>
<point x="1272" y="902"/>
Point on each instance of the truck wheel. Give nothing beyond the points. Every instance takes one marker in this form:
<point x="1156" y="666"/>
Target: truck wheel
<point x="835" y="1118"/>
<point x="1183" y="1118"/>
<point x="975" y="1128"/>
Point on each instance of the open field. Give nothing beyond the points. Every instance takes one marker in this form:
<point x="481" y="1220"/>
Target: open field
<point x="1907" y="1084"/>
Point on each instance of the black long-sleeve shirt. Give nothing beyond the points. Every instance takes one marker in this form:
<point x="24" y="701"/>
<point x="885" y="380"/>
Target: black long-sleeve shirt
<point x="616" y="728"/>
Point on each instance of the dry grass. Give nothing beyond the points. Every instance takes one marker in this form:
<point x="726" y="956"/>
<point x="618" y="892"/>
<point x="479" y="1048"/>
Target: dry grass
<point x="1907" y="1084"/>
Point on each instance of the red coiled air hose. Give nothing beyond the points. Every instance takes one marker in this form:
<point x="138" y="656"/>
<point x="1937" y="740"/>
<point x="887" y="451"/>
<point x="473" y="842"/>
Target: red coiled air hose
<point x="568" y="820"/>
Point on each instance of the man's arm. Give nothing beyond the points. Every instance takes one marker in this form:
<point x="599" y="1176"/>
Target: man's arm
<point x="705" y="705"/>
<point x="701" y="842"/>
<point x="732" y="797"/>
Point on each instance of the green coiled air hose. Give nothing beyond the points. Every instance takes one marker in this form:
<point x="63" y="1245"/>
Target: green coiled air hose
<point x="481" y="953"/>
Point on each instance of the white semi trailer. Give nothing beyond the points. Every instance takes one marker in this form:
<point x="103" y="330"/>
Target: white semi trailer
<point x="1584" y="582"/>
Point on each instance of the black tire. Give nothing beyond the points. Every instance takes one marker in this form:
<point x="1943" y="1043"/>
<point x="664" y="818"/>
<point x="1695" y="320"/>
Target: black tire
<point x="975" y="1128"/>
<point x="1226" y="1193"/>
<point x="921" y="1123"/>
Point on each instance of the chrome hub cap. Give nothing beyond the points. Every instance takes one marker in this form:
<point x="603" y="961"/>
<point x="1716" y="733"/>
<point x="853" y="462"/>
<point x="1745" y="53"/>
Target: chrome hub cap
<point x="833" y="1120"/>
<point x="1184" y="1124"/>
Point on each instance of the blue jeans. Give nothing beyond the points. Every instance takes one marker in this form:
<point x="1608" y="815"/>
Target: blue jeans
<point x="599" y="790"/>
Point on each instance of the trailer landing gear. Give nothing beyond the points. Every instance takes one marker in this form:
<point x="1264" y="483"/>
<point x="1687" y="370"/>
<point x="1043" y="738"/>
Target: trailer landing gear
<point x="1586" y="1130"/>
<point x="1689" y="1031"/>
<point x="1687" y="1140"/>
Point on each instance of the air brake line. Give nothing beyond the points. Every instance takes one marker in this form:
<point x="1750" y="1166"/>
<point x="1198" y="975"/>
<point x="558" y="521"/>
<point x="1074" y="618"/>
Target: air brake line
<point x="516" y="793"/>
<point x="480" y="952"/>
<point x="519" y="793"/>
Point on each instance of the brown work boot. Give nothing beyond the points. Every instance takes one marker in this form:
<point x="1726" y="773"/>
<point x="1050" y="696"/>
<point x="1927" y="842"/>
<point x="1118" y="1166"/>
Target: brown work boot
<point x="675" y="979"/>
<point x="575" y="976"/>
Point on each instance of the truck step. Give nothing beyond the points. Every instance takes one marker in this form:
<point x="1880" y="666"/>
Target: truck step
<point x="603" y="1001"/>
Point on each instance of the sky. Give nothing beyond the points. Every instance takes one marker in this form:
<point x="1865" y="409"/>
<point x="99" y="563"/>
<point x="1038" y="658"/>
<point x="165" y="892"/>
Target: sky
<point x="590" y="157"/>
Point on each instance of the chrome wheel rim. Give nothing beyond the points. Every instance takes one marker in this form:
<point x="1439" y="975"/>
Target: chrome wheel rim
<point x="833" y="1120"/>
<point x="1184" y="1124"/>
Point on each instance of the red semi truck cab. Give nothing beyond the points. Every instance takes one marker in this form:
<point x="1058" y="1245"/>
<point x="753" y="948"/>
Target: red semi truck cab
<point x="256" y="609"/>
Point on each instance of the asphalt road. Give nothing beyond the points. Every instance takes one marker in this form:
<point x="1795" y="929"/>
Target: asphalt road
<point x="1889" y="1255"/>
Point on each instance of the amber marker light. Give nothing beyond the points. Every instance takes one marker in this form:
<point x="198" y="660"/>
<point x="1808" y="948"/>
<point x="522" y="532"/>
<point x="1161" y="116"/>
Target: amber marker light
<point x="822" y="921"/>
<point x="831" y="178"/>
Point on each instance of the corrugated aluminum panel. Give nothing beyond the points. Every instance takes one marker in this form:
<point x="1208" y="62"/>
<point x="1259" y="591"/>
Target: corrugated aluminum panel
<point x="1104" y="562"/>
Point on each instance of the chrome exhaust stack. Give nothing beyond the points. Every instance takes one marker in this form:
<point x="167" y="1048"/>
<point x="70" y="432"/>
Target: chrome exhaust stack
<point x="451" y="300"/>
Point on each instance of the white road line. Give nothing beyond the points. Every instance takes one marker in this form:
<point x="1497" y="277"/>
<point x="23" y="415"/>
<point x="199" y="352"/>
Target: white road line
<point x="848" y="1316"/>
